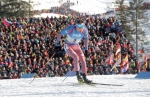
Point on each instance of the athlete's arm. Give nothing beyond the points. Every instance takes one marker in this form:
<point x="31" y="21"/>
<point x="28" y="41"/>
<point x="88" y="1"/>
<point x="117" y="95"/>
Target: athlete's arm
<point x="63" y="32"/>
<point x="86" y="39"/>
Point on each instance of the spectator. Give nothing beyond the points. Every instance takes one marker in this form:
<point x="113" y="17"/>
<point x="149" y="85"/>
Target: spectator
<point x="5" y="76"/>
<point x="15" y="76"/>
<point x="1" y="76"/>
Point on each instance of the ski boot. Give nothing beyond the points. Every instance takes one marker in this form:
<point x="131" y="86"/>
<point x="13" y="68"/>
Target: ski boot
<point x="87" y="81"/>
<point x="79" y="78"/>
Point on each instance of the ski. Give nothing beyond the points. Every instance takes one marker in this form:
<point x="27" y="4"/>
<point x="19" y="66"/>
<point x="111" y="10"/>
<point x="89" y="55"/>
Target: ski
<point x="96" y="84"/>
<point x="86" y="84"/>
<point x="107" y="84"/>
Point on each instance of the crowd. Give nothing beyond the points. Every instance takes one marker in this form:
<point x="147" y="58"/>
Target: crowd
<point x="146" y="5"/>
<point x="27" y="46"/>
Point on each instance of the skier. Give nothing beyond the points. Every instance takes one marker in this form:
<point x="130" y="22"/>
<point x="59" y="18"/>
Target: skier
<point x="74" y="34"/>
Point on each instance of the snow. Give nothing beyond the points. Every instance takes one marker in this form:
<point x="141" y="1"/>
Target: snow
<point x="44" y="15"/>
<point x="54" y="87"/>
<point x="99" y="7"/>
<point x="43" y="4"/>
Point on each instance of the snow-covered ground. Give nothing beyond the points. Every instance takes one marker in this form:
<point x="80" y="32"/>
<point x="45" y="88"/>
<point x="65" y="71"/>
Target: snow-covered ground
<point x="54" y="87"/>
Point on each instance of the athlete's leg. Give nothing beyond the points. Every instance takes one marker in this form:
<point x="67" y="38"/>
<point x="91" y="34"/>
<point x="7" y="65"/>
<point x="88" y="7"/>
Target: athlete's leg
<point x="83" y="62"/>
<point x="70" y="50"/>
<point x="72" y="53"/>
<point x="81" y="59"/>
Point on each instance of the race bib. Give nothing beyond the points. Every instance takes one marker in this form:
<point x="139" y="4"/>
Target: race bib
<point x="72" y="40"/>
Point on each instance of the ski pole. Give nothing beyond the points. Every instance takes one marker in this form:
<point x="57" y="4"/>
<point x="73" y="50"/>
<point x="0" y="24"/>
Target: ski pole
<point x="34" y="76"/>
<point x="32" y="80"/>
<point x="53" y="55"/>
<point x="68" y="75"/>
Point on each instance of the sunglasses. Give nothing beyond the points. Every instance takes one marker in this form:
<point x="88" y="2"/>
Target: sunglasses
<point x="80" y="25"/>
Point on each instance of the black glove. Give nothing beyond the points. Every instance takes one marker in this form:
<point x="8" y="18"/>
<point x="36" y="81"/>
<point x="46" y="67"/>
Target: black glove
<point x="86" y="53"/>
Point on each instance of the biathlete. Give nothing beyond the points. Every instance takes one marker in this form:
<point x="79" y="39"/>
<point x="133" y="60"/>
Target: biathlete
<point x="74" y="34"/>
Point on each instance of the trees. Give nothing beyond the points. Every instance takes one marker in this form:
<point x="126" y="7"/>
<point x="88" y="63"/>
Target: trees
<point x="138" y="20"/>
<point x="136" y="17"/>
<point x="17" y="8"/>
<point x="123" y="16"/>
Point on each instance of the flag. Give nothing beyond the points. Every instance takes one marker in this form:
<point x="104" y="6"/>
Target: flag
<point x="125" y="67"/>
<point x="109" y="60"/>
<point x="118" y="55"/>
<point x="118" y="50"/>
<point x="125" y="60"/>
<point x="6" y="22"/>
<point x="117" y="63"/>
<point x="145" y="61"/>
<point x="145" y="64"/>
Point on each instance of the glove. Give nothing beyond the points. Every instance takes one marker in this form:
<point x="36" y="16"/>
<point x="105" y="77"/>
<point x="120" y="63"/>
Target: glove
<point x="86" y="53"/>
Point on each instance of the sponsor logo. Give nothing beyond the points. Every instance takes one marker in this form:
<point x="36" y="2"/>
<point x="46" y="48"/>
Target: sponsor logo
<point x="76" y="35"/>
